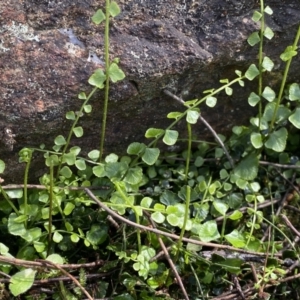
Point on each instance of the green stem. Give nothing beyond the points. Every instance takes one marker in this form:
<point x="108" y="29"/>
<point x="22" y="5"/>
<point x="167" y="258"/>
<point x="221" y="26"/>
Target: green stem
<point x="78" y="115"/>
<point x="223" y="228"/>
<point x="25" y="185"/>
<point x="273" y="221"/>
<point x="283" y="82"/>
<point x="196" y="104"/>
<point x="8" y="201"/>
<point x="206" y="190"/>
<point x="188" y="191"/>
<point x="63" y="293"/>
<point x="60" y="153"/>
<point x="120" y="273"/>
<point x="198" y="284"/>
<point x="260" y="58"/>
<point x="188" y="159"/>
<point x="138" y="231"/>
<point x="276" y="228"/>
<point x="106" y="95"/>
<point x="186" y="216"/>
<point x="50" y="208"/>
<point x="253" y="222"/>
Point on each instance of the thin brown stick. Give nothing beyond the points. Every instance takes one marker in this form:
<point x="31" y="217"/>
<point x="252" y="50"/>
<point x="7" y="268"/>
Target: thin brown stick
<point x="282" y="203"/>
<point x="251" y="289"/>
<point x="263" y="285"/>
<point x="43" y="187"/>
<point x="63" y="278"/>
<point x="170" y="235"/>
<point x="234" y="293"/>
<point x="295" y="209"/>
<point x="290" y="182"/>
<point x="167" y="256"/>
<point x="5" y="275"/>
<point x="244" y="209"/>
<point x="218" y="140"/>
<point x="174" y="96"/>
<point x="261" y="162"/>
<point x="170" y="157"/>
<point x="292" y="267"/>
<point x="37" y="264"/>
<point x="238" y="287"/>
<point x="290" y="278"/>
<point x="208" y="126"/>
<point x="297" y="238"/>
<point x="160" y="254"/>
<point x="279" y="165"/>
<point x="254" y="273"/>
<point x="69" y="275"/>
<point x="290" y="225"/>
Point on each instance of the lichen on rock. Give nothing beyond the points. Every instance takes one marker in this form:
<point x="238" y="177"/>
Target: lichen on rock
<point x="185" y="46"/>
<point x="13" y="31"/>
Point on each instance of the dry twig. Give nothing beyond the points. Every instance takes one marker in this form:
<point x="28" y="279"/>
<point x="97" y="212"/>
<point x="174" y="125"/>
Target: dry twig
<point x="46" y="262"/>
<point x="209" y="128"/>
<point x="167" y="234"/>
<point x="290" y="225"/>
<point x="167" y="256"/>
<point x="39" y="264"/>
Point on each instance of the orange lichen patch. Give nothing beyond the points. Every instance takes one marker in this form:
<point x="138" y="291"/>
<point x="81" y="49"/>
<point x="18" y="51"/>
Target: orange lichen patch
<point x="39" y="105"/>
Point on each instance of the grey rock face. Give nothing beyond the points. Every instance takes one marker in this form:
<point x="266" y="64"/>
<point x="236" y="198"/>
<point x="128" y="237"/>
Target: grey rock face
<point x="48" y="50"/>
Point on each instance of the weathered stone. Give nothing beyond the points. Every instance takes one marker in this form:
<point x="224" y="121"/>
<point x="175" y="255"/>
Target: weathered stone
<point x="48" y="50"/>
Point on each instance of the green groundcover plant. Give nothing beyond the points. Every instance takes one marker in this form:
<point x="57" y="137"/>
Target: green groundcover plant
<point x="213" y="222"/>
